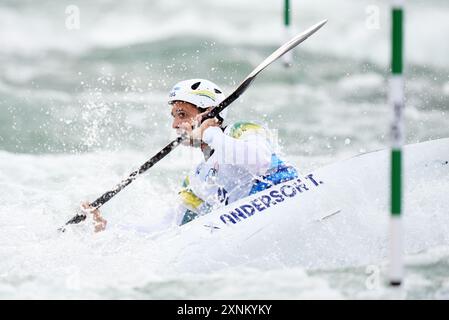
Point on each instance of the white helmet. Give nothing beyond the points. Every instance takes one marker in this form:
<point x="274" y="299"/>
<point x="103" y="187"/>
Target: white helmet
<point x="199" y="92"/>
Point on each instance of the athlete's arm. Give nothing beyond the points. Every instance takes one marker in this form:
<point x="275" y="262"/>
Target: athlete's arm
<point x="253" y="152"/>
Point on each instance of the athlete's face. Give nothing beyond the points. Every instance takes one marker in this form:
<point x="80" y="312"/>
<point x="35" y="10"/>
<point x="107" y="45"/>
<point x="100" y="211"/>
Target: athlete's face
<point x="183" y="112"/>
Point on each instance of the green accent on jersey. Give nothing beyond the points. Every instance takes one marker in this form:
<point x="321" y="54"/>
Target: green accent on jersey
<point x="241" y="129"/>
<point x="188" y="216"/>
<point x="186" y="182"/>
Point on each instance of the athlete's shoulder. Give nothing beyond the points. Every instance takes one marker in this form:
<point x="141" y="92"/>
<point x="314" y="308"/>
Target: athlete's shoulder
<point x="243" y="129"/>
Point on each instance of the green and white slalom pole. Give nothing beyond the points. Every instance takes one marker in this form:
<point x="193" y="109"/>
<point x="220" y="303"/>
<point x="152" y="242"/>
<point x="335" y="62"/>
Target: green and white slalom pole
<point x="288" y="57"/>
<point x="397" y="136"/>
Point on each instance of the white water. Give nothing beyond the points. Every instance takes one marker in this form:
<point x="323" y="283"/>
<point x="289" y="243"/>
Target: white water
<point x="122" y="263"/>
<point x="81" y="109"/>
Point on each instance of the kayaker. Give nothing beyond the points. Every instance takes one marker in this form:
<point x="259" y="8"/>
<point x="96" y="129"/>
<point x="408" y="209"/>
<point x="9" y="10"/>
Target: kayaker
<point x="239" y="159"/>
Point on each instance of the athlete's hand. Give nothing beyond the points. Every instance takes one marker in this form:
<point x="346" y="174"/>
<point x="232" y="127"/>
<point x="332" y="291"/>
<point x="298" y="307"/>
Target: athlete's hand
<point x="212" y="122"/>
<point x="99" y="221"/>
<point x="194" y="130"/>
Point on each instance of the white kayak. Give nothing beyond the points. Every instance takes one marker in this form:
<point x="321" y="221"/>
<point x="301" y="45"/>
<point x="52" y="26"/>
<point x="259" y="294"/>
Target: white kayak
<point x="335" y="216"/>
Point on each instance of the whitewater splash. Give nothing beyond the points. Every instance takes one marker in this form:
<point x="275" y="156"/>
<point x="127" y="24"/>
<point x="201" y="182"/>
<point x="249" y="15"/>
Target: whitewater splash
<point x="339" y="223"/>
<point x="80" y="109"/>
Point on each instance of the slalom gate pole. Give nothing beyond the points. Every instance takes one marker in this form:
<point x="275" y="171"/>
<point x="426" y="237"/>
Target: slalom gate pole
<point x="288" y="57"/>
<point x="396" y="265"/>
